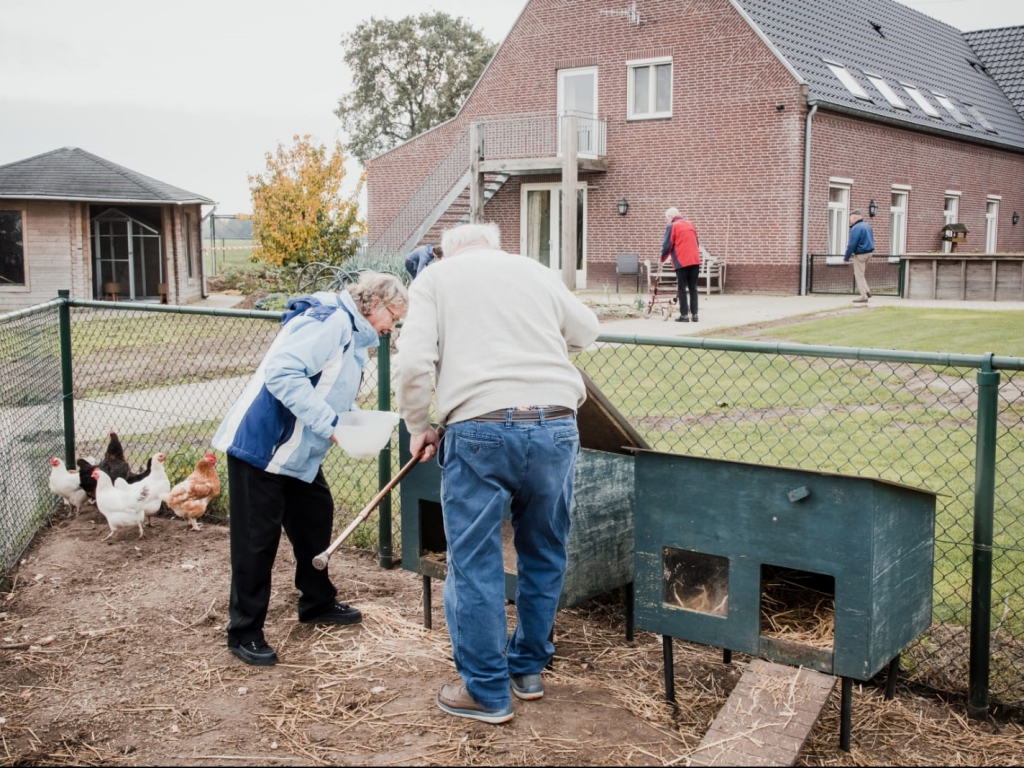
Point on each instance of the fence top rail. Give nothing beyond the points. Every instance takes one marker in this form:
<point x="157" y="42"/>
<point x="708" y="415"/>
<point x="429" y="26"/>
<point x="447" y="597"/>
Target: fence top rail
<point x="18" y="314"/>
<point x="986" y="361"/>
<point x="173" y="309"/>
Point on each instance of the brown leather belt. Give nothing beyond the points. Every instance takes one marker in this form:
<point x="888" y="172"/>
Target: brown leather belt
<point x="526" y="414"/>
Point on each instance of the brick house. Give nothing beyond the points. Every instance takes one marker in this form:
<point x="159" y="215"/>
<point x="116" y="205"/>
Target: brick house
<point x="72" y="220"/>
<point x="764" y="122"/>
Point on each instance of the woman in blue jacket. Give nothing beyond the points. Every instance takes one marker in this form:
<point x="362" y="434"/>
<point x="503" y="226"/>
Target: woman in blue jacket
<point x="276" y="436"/>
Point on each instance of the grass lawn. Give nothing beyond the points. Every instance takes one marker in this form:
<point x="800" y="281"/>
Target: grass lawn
<point x="960" y="331"/>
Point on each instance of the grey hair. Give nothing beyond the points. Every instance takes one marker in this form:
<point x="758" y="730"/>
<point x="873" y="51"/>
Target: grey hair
<point x="671" y="213"/>
<point x="457" y="238"/>
<point x="375" y="288"/>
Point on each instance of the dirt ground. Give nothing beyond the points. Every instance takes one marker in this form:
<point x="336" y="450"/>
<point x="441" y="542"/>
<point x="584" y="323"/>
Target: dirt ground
<point x="113" y="653"/>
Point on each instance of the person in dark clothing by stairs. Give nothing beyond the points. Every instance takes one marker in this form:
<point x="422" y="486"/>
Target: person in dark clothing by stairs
<point x="682" y="244"/>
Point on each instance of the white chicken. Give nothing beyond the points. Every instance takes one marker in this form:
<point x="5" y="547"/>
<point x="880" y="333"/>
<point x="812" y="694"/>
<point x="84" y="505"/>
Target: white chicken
<point x="157" y="483"/>
<point x="66" y="484"/>
<point x="122" y="504"/>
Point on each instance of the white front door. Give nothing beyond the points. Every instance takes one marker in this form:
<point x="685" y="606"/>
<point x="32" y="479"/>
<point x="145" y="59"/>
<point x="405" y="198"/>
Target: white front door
<point x="541" y="227"/>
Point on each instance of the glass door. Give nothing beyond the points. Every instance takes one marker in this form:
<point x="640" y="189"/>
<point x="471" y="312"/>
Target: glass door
<point x="126" y="252"/>
<point x="541" y="227"/>
<point x="577" y="95"/>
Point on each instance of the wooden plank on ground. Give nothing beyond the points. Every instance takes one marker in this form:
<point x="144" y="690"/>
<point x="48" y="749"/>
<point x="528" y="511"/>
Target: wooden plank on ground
<point x="768" y="717"/>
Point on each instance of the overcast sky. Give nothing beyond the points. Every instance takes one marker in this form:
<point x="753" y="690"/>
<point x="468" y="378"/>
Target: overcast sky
<point x="194" y="92"/>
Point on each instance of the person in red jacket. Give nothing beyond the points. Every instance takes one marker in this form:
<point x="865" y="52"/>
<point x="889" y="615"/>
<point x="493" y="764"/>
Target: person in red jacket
<point x="682" y="244"/>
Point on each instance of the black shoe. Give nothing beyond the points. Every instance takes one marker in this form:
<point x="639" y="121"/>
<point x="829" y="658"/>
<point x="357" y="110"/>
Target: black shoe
<point x="682" y="319"/>
<point x="255" y="652"/>
<point x="695" y="318"/>
<point x="339" y="613"/>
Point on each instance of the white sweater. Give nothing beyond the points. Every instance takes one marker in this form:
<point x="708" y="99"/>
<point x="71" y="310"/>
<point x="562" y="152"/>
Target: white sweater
<point x="494" y="330"/>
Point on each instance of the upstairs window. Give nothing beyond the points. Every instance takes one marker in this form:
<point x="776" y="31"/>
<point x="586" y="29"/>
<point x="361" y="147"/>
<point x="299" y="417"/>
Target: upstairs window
<point x="12" y="249"/>
<point x="847" y="79"/>
<point x="887" y="92"/>
<point x="921" y="101"/>
<point x="649" y="89"/>
<point x="950" y="107"/>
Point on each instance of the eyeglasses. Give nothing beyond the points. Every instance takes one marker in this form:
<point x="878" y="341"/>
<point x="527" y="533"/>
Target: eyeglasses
<point x="395" y="319"/>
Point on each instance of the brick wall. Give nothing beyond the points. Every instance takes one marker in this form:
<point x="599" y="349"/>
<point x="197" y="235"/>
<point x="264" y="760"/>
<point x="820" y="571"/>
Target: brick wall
<point x="727" y="158"/>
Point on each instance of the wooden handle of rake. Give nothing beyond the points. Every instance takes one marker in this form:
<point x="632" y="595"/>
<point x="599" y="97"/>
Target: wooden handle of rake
<point x="320" y="561"/>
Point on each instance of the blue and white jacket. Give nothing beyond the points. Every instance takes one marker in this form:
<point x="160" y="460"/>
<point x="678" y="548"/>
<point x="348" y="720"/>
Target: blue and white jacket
<point x="283" y="421"/>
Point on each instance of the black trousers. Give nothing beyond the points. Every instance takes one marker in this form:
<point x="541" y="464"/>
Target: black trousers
<point x="686" y="283"/>
<point x="261" y="504"/>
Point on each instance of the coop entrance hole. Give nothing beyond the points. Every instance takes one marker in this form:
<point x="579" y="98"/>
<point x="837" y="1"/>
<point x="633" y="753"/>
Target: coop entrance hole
<point x="798" y="607"/>
<point x="433" y="543"/>
<point x="695" y="581"/>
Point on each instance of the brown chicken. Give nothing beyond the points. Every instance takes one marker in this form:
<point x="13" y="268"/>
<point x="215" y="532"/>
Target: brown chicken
<point x="189" y="498"/>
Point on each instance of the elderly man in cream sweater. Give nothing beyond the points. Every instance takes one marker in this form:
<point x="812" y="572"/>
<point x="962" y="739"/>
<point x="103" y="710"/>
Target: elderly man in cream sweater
<point x="491" y="333"/>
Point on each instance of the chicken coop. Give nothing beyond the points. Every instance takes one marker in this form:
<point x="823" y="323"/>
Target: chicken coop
<point x="825" y="571"/>
<point x="600" y="545"/>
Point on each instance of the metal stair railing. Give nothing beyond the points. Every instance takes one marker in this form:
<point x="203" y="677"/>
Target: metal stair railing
<point x="438" y="186"/>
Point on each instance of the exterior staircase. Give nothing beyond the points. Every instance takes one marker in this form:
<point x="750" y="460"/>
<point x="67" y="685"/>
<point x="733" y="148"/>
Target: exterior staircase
<point x="458" y="211"/>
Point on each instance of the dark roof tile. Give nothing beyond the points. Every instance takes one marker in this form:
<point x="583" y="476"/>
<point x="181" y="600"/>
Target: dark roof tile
<point x="74" y="174"/>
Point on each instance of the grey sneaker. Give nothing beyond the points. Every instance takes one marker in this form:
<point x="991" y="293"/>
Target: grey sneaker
<point x="527" y="687"/>
<point x="455" y="700"/>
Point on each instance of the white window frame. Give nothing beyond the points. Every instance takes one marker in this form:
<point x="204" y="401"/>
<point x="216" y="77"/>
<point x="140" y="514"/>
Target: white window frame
<point x="838" y="232"/>
<point x="991" y="223"/>
<point x="898" y="216"/>
<point x="562" y="75"/>
<point x="950" y="216"/>
<point x="652" y="64"/>
<point x="887" y="92"/>
<point x="556" y="224"/>
<point x="921" y="101"/>
<point x="848" y="80"/>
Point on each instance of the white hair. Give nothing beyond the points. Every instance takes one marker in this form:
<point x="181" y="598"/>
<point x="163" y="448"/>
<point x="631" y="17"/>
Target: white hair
<point x="671" y="213"/>
<point x="457" y="238"/>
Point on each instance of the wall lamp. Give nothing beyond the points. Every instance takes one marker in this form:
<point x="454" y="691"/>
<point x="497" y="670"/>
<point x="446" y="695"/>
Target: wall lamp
<point x="1016" y="218"/>
<point x="624" y="206"/>
<point x="872" y="209"/>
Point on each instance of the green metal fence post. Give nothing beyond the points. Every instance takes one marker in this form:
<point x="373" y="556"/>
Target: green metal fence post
<point x="67" y="391"/>
<point x="385" y="557"/>
<point x="984" y="511"/>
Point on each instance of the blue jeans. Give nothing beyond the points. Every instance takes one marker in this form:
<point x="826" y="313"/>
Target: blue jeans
<point x="483" y="466"/>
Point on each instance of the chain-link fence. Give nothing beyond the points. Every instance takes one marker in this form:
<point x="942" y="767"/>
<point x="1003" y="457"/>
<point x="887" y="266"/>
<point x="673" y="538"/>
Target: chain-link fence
<point x="830" y="274"/>
<point x="163" y="377"/>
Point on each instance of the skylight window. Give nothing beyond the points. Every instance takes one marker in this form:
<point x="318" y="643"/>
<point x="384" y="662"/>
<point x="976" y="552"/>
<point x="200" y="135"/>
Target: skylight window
<point x="950" y="107"/>
<point x="887" y="92"/>
<point x="976" y="114"/>
<point x="921" y="101"/>
<point x="847" y="79"/>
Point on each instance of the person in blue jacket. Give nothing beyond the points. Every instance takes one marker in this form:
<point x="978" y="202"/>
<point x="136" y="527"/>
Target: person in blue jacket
<point x="276" y="436"/>
<point x="420" y="258"/>
<point x="860" y="247"/>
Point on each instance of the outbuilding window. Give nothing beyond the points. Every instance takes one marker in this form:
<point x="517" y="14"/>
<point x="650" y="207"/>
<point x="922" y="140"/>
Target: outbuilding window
<point x="649" y="89"/>
<point x="12" y="249"/>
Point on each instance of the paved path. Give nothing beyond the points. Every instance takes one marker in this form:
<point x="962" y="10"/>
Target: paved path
<point x="721" y="311"/>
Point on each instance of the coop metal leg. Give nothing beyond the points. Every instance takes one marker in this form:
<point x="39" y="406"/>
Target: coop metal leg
<point x="726" y="656"/>
<point x="670" y="675"/>
<point x="890" y="680"/>
<point x="427" y="617"/>
<point x="629" y="612"/>
<point x="846" y="715"/>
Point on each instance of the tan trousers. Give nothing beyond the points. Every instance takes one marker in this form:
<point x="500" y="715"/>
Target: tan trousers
<point x="860" y="263"/>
